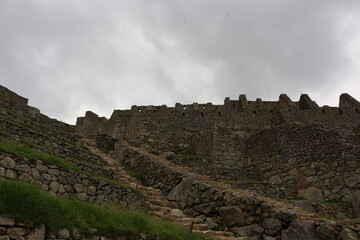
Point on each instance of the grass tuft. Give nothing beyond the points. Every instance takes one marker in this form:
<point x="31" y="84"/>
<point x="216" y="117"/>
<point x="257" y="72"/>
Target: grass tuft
<point x="28" y="203"/>
<point x="34" y="156"/>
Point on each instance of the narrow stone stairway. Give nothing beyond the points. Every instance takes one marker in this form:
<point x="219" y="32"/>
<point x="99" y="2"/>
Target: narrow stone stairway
<point x="157" y="203"/>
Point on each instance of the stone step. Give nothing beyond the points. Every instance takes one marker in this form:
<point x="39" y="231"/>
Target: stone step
<point x="201" y="227"/>
<point x="211" y="233"/>
<point x="190" y="220"/>
<point x="165" y="210"/>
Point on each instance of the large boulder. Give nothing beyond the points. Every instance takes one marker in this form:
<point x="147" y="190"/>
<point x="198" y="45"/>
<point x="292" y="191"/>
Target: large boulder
<point x="181" y="191"/>
<point x="231" y="216"/>
<point x="300" y="230"/>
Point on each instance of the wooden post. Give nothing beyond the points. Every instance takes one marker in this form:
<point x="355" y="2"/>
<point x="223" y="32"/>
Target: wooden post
<point x="191" y="226"/>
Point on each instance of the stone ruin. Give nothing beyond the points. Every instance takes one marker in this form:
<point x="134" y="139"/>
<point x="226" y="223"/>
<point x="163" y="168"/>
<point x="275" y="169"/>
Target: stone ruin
<point x="279" y="149"/>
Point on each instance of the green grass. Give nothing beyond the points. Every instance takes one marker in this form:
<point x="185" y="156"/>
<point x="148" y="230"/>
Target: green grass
<point x="29" y="204"/>
<point x="52" y="160"/>
<point x="34" y="155"/>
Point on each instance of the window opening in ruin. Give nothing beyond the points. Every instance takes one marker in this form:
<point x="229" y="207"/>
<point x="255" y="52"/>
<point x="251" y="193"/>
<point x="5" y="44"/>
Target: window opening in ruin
<point x="341" y="111"/>
<point x="323" y="111"/>
<point x="203" y="106"/>
<point x="183" y="114"/>
<point x="202" y="114"/>
<point x="289" y="110"/>
<point x="357" y="110"/>
<point x="257" y="106"/>
<point x="271" y="111"/>
<point x="233" y="105"/>
<point x="154" y="111"/>
<point x="254" y="113"/>
<point x="184" y="107"/>
<point x="139" y="110"/>
<point x="219" y="113"/>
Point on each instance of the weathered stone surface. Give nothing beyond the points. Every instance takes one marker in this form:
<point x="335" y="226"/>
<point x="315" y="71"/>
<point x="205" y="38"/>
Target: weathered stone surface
<point x="63" y="233"/>
<point x="300" y="230"/>
<point x="35" y="173"/>
<point x="8" y="163"/>
<point x="25" y="177"/>
<point x="211" y="224"/>
<point x="177" y="212"/>
<point x="37" y="234"/>
<point x="275" y="179"/>
<point x="272" y="224"/>
<point x="181" y="191"/>
<point x="356" y="203"/>
<point x="54" y="186"/>
<point x="312" y="194"/>
<point x="231" y="216"/>
<point x="206" y="207"/>
<point x="16" y="233"/>
<point x="6" y="221"/>
<point x="2" y="231"/>
<point x="252" y="231"/>
<point x="4" y="238"/>
<point x="79" y="188"/>
<point x="326" y="232"/>
<point x="347" y="234"/>
<point x="303" y="205"/>
<point x="284" y="215"/>
<point x="352" y="181"/>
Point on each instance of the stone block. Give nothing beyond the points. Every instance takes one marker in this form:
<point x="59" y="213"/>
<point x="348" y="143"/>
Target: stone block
<point x="300" y="230"/>
<point x="231" y="216"/>
<point x="8" y="163"/>
<point x="352" y="181"/>
<point x="272" y="224"/>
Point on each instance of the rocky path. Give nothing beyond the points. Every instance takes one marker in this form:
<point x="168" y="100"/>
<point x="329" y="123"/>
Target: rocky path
<point x="161" y="207"/>
<point x="236" y="191"/>
<point x="158" y="204"/>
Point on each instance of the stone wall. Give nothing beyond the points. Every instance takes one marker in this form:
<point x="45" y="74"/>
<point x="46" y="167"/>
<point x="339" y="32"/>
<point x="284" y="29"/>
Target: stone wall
<point x="218" y="131"/>
<point x="241" y="213"/>
<point x="67" y="183"/>
<point x="320" y="164"/>
<point x="12" y="229"/>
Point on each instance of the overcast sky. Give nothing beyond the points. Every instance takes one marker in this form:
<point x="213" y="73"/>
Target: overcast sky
<point x="70" y="56"/>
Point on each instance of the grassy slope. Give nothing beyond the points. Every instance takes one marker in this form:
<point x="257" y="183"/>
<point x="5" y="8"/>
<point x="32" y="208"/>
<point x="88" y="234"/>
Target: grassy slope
<point x="28" y="203"/>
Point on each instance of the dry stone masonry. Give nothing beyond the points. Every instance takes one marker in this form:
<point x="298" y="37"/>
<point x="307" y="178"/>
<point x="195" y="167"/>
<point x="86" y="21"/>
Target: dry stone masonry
<point x="221" y="165"/>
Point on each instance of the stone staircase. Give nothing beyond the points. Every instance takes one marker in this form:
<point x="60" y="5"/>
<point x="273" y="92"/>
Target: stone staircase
<point x="157" y="203"/>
